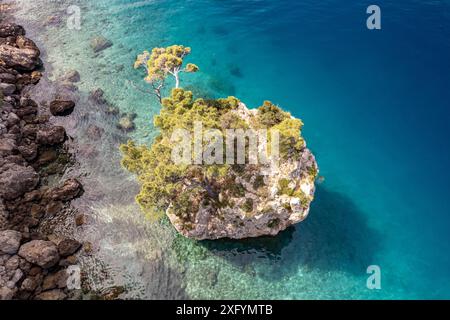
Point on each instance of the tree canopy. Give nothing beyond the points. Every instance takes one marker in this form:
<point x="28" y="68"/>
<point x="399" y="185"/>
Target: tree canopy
<point x="164" y="62"/>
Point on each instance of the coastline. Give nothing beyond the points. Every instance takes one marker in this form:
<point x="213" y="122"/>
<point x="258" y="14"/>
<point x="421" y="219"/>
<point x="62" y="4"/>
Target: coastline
<point x="38" y="248"/>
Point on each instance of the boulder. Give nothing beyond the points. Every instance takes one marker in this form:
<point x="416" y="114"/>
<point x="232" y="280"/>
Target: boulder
<point x="7" y="293"/>
<point x="7" y="78"/>
<point x="97" y="96"/>
<point x="55" y="280"/>
<point x="29" y="152"/>
<point x="10" y="241"/>
<point x="43" y="253"/>
<point x="51" y="135"/>
<point x="11" y="30"/>
<point x="17" y="180"/>
<point x="55" y="294"/>
<point x="25" y="59"/>
<point x="100" y="43"/>
<point x="25" y="43"/>
<point x="30" y="283"/>
<point x="61" y="107"/>
<point x="71" y="76"/>
<point x="7" y="88"/>
<point x="70" y="190"/>
<point x="68" y="247"/>
<point x="7" y="146"/>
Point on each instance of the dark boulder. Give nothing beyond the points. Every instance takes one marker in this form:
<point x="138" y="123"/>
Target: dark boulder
<point x="62" y="108"/>
<point x="70" y="190"/>
<point x="68" y="247"/>
<point x="51" y="135"/>
<point x="17" y="180"/>
<point x="11" y="30"/>
<point x="25" y="59"/>
<point x="42" y="253"/>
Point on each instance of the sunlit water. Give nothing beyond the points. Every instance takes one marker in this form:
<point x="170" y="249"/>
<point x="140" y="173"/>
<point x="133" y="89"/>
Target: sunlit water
<point x="376" y="109"/>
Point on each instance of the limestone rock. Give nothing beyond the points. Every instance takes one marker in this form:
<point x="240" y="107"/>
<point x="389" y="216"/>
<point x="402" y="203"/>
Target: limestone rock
<point x="268" y="199"/>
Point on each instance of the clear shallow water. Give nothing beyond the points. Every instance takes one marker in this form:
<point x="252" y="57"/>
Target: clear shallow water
<point x="376" y="109"/>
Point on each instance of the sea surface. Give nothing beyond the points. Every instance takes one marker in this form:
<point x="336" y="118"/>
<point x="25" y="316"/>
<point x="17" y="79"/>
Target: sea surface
<point x="376" y="108"/>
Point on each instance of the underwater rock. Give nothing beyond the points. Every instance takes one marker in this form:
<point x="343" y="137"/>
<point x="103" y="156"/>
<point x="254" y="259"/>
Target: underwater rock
<point x="51" y="135"/>
<point x="71" y="76"/>
<point x="126" y="123"/>
<point x="97" y="96"/>
<point x="100" y="43"/>
<point x="80" y="219"/>
<point x="70" y="190"/>
<point x="67" y="247"/>
<point x="62" y="108"/>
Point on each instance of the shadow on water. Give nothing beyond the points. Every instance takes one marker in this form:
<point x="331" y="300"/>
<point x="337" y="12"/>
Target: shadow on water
<point x="335" y="237"/>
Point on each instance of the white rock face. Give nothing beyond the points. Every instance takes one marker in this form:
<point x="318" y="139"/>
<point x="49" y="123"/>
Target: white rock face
<point x="261" y="210"/>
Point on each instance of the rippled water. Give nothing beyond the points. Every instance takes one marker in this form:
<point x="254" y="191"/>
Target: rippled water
<point x="376" y="109"/>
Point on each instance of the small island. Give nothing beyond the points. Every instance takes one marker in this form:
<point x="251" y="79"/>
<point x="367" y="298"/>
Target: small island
<point x="206" y="193"/>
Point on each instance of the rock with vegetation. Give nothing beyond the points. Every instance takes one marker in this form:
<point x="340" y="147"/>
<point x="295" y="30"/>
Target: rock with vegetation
<point x="211" y="201"/>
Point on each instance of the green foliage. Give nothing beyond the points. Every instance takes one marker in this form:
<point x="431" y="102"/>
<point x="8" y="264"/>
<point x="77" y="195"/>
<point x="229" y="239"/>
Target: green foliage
<point x="185" y="188"/>
<point x="247" y="206"/>
<point x="164" y="62"/>
<point x="270" y="115"/>
<point x="283" y="187"/>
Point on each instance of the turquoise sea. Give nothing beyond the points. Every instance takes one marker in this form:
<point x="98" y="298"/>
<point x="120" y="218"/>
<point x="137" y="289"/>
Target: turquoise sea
<point x="376" y="108"/>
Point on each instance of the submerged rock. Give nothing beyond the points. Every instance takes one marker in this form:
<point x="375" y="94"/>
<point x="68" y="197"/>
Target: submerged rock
<point x="51" y="135"/>
<point x="62" y="108"/>
<point x="126" y="123"/>
<point x="71" y="76"/>
<point x="100" y="43"/>
<point x="70" y="190"/>
<point x="67" y="247"/>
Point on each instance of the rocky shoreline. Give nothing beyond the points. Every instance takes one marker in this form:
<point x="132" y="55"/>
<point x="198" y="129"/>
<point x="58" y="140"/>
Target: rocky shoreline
<point x="33" y="157"/>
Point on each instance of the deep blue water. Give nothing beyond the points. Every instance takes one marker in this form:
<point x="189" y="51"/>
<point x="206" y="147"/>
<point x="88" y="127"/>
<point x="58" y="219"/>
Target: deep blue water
<point x="376" y="108"/>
